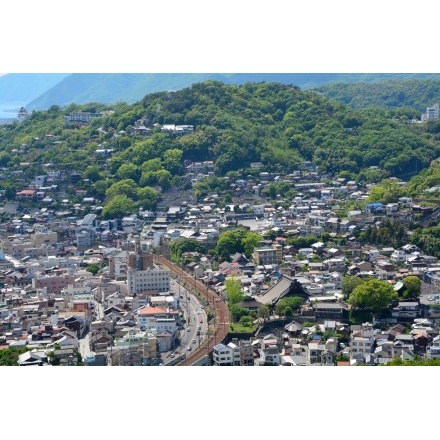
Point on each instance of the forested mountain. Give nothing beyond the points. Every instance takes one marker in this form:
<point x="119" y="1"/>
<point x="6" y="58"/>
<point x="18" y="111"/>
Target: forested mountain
<point x="107" y="88"/>
<point x="110" y="88"/>
<point x="417" y="94"/>
<point x="275" y="124"/>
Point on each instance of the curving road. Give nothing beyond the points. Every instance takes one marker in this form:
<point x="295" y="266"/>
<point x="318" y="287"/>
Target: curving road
<point x="216" y="303"/>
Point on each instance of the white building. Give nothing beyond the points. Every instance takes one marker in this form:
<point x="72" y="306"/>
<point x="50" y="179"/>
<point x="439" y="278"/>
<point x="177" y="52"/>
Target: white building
<point x="223" y="355"/>
<point x="431" y="113"/>
<point x="151" y="279"/>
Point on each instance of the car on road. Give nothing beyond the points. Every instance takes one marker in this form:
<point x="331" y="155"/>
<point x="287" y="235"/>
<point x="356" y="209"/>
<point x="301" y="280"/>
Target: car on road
<point x="189" y="348"/>
<point x="193" y="341"/>
<point x="188" y="329"/>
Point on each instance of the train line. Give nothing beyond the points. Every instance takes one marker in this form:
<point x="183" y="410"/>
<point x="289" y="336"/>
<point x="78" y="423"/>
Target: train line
<point x="217" y="305"/>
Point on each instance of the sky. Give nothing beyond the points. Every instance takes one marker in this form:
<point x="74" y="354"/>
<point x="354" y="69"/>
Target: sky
<point x="229" y="36"/>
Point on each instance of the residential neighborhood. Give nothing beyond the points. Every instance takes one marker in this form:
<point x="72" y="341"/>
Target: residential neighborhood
<point x="50" y="298"/>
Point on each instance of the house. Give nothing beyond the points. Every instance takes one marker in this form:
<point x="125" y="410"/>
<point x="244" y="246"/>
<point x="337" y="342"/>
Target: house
<point x="406" y="311"/>
<point x="223" y="355"/>
<point x="250" y="304"/>
<point x="76" y="323"/>
<point x="315" y="351"/>
<point x="32" y="358"/>
<point x="329" y="310"/>
<point x="293" y="329"/>
<point x="246" y="352"/>
<point x="433" y="350"/>
<point x="100" y="341"/>
<point x="268" y="355"/>
<point x="328" y="358"/>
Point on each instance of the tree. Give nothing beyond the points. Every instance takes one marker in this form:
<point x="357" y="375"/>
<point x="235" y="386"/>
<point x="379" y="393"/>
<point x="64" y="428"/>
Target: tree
<point x="93" y="173"/>
<point x="237" y="312"/>
<point x="250" y="241"/>
<point x="246" y="320"/>
<point x="93" y="268"/>
<point x="125" y="187"/>
<point x="293" y="303"/>
<point x="128" y="171"/>
<point x="147" y="197"/>
<point x="181" y="245"/>
<point x="118" y="207"/>
<point x="374" y="295"/>
<point x="172" y="160"/>
<point x="263" y="313"/>
<point x="233" y="290"/>
<point x="349" y="283"/>
<point x="413" y="287"/>
<point x="288" y="312"/>
<point x="230" y="242"/>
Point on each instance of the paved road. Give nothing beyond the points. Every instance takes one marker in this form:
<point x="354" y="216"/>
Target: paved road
<point x="84" y="343"/>
<point x="195" y="317"/>
<point x="219" y="307"/>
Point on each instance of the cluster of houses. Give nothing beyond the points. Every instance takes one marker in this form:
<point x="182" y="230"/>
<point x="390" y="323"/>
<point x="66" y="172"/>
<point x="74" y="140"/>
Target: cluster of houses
<point x="300" y="345"/>
<point x="47" y="243"/>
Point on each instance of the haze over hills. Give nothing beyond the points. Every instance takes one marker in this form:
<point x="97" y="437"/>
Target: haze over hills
<point x="40" y="91"/>
<point x="21" y="88"/>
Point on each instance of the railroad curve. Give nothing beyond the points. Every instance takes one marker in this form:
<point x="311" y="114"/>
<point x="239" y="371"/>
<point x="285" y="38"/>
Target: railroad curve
<point x="216" y="303"/>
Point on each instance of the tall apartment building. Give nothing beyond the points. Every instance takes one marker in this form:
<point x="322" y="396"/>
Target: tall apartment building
<point x="269" y="255"/>
<point x="142" y="276"/>
<point x="431" y="113"/>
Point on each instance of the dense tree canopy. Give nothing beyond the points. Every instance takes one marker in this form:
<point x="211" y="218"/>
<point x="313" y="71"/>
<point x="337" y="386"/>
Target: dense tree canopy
<point x="374" y="295"/>
<point x="413" y="287"/>
<point x="181" y="245"/>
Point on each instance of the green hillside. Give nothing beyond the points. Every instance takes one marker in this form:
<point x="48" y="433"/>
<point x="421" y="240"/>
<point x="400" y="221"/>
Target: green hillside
<point x="278" y="125"/>
<point x="417" y="94"/>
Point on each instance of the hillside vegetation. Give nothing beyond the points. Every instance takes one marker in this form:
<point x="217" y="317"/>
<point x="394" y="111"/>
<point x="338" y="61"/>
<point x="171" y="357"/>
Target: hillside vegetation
<point x="394" y="93"/>
<point x="278" y="125"/>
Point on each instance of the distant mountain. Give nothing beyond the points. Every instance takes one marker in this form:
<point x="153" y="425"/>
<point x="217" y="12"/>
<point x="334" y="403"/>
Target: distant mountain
<point x="417" y="94"/>
<point x="108" y="88"/>
<point x="21" y="88"/>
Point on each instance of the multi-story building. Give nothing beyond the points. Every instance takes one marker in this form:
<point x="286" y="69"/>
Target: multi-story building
<point x="268" y="256"/>
<point x="82" y="116"/>
<point x="149" y="280"/>
<point x="118" y="264"/>
<point x="431" y="113"/>
<point x="85" y="238"/>
<point x="223" y="355"/>
<point x="161" y="319"/>
<point x="246" y="352"/>
<point x="53" y="283"/>
<point x="145" y="345"/>
<point x="44" y="238"/>
<point x="76" y="291"/>
<point x="142" y="276"/>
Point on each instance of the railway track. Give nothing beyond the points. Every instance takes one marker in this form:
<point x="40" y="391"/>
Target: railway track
<point x="216" y="303"/>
